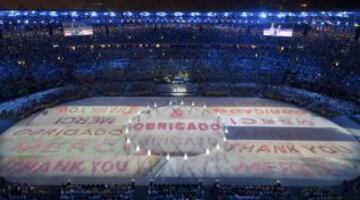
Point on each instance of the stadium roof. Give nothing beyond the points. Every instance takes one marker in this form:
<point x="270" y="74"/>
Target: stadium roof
<point x="186" y="5"/>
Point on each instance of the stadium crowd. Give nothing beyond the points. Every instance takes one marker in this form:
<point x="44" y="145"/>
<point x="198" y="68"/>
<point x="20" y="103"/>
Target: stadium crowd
<point x="185" y="191"/>
<point x="249" y="192"/>
<point x="176" y="191"/>
<point x="70" y="191"/>
<point x="36" y="57"/>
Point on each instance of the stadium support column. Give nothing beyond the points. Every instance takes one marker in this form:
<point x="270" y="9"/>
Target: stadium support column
<point x="50" y="29"/>
<point x="357" y="33"/>
<point x="306" y="29"/>
<point x="107" y="30"/>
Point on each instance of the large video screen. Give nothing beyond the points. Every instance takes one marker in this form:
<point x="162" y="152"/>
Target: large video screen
<point x="77" y="29"/>
<point x="278" y="32"/>
<point x="142" y="138"/>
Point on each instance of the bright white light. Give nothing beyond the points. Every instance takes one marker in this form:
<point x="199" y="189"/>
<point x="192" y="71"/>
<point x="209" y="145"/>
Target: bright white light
<point x="170" y="103"/>
<point x="227" y="14"/>
<point x="161" y="14"/>
<point x="244" y="14"/>
<point x="185" y="156"/>
<point x="263" y="15"/>
<point x="94" y="14"/>
<point x="74" y="14"/>
<point x="182" y="102"/>
<point x="168" y="157"/>
<point x="205" y="107"/>
<point x="53" y="13"/>
<point x="137" y="148"/>
<point x="217" y="147"/>
<point x="211" y="14"/>
<point x="130" y="121"/>
<point x="112" y="14"/>
<point x="194" y="14"/>
<point x="129" y="14"/>
<point x="178" y="14"/>
<point x="155" y="104"/>
<point x="126" y="130"/>
<point x="226" y="130"/>
<point x="128" y="141"/>
<point x="207" y="151"/>
<point x="281" y="15"/>
<point x="225" y="139"/>
<point x="148" y="152"/>
<point x="145" y="14"/>
<point x="193" y="104"/>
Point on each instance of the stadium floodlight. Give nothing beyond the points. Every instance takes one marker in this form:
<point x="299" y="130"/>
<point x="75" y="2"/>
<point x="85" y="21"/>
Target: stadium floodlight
<point x="304" y="14"/>
<point x="52" y="13"/>
<point x="227" y="14"/>
<point x="178" y="14"/>
<point x="93" y="14"/>
<point x="161" y="14"/>
<point x="74" y="14"/>
<point x="194" y="14"/>
<point x="211" y="14"/>
<point x="281" y="15"/>
<point x="144" y="14"/>
<point x="263" y="15"/>
<point x="128" y="14"/>
<point x="244" y="14"/>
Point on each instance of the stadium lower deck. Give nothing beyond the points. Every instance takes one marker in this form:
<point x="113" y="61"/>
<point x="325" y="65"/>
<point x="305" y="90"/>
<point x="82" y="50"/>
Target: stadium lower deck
<point x="184" y="139"/>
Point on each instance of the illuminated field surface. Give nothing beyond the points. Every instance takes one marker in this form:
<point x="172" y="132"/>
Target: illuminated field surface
<point x="116" y="139"/>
